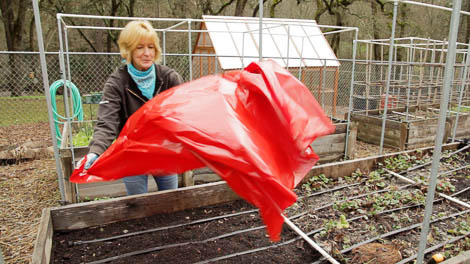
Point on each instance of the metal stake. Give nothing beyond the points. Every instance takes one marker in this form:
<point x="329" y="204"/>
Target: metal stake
<point x="448" y="76"/>
<point x="310" y="241"/>
<point x="45" y="79"/>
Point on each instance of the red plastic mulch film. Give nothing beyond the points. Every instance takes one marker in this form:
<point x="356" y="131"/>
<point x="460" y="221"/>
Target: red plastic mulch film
<point x="253" y="127"/>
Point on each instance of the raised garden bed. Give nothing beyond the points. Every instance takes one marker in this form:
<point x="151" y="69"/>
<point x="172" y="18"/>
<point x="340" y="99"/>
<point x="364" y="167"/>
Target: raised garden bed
<point x="342" y="206"/>
<point x="401" y="132"/>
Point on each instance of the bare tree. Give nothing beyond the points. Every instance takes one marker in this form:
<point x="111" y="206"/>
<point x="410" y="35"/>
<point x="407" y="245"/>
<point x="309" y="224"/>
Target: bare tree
<point x="467" y="18"/>
<point x="256" y="9"/>
<point x="240" y="7"/>
<point x="113" y="7"/>
<point x="207" y="7"/>
<point x="13" y="17"/>
<point x="338" y="9"/>
<point x="374" y="6"/>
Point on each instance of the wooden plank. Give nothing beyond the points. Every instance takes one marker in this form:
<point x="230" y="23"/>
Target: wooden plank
<point x="329" y="148"/>
<point x="421" y="130"/>
<point x="366" y="129"/>
<point x="188" y="179"/>
<point x="70" y="194"/>
<point x="340" y="128"/>
<point x="76" y="216"/>
<point x="335" y="94"/>
<point x="404" y="136"/>
<point x="371" y="120"/>
<point x="43" y="244"/>
<point x="330" y="157"/>
<point x="79" y="152"/>
<point x="329" y="139"/>
<point x="375" y="139"/>
<point x="352" y="141"/>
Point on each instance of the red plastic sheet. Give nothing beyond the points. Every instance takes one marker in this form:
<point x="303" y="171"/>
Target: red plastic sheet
<point x="253" y="127"/>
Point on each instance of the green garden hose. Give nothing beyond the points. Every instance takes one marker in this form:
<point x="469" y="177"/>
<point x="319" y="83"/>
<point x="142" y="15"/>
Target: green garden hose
<point x="77" y="106"/>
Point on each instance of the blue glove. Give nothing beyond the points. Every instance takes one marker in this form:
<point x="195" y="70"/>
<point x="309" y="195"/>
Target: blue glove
<point x="90" y="159"/>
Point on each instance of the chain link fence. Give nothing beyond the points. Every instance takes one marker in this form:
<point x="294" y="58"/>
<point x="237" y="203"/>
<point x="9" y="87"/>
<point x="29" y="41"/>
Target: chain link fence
<point x="411" y="84"/>
<point x="22" y="98"/>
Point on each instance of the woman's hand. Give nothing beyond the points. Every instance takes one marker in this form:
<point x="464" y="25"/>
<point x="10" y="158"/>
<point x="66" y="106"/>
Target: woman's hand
<point x="90" y="159"/>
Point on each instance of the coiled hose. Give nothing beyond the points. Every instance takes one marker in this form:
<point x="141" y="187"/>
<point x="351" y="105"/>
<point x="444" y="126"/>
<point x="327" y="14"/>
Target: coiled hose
<point x="77" y="106"/>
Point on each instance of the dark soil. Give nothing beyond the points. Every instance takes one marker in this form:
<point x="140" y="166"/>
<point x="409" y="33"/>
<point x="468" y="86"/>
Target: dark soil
<point x="296" y="252"/>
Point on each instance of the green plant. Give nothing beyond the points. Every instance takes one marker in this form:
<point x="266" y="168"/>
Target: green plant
<point x="316" y="182"/>
<point x="463" y="109"/>
<point x="375" y="178"/>
<point x="336" y="224"/>
<point x="346" y="205"/>
<point x="84" y="135"/>
<point x="444" y="185"/>
<point x="88" y="199"/>
<point x="400" y="162"/>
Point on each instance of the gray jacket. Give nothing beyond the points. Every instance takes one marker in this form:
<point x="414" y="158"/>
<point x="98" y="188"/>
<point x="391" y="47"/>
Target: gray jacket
<point x="121" y="98"/>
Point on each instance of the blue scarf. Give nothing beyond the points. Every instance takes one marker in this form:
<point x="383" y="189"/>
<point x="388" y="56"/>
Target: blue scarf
<point x="145" y="80"/>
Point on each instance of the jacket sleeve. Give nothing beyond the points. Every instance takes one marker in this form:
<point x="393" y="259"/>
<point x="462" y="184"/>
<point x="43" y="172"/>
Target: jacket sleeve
<point x="174" y="79"/>
<point x="109" y="117"/>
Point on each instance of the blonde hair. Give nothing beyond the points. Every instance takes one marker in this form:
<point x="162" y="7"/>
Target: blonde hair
<point x="131" y="35"/>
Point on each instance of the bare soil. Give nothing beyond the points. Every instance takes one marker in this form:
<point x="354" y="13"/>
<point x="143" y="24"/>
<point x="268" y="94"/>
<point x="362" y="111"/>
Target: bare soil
<point x="176" y="242"/>
<point x="26" y="187"/>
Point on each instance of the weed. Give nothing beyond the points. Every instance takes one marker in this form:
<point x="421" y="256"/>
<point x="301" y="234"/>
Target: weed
<point x="346" y="205"/>
<point x="316" y="183"/>
<point x="336" y="224"/>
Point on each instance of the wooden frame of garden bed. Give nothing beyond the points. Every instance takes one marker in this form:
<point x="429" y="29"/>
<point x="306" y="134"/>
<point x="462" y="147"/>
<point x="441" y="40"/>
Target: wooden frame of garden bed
<point x="78" y="216"/>
<point x="329" y="148"/>
<point x="404" y="135"/>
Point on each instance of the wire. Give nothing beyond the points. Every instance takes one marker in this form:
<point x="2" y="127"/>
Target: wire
<point x="77" y="106"/>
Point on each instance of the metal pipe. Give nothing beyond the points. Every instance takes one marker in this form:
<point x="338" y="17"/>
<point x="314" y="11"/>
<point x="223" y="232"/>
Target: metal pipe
<point x="448" y="76"/>
<point x="408" y="90"/>
<point x="389" y="74"/>
<point x="42" y="57"/>
<point x="164" y="48"/>
<point x="462" y="89"/>
<point x="260" y="47"/>
<point x="190" y="52"/>
<point x="288" y="46"/>
<point x="351" y="91"/>
<point x="310" y="241"/>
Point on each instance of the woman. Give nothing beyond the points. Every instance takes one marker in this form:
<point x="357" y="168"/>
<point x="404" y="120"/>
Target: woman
<point x="126" y="90"/>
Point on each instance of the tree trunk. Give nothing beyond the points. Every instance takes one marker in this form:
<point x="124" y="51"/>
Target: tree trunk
<point x="335" y="41"/>
<point x="375" y="29"/>
<point x="467" y="28"/>
<point x="110" y="39"/>
<point x="402" y="18"/>
<point x="255" y="11"/>
<point x="13" y="35"/>
<point x="273" y="7"/>
<point x="240" y="7"/>
<point x="13" y="25"/>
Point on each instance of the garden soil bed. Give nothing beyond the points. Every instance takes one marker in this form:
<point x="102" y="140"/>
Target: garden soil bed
<point x="358" y="218"/>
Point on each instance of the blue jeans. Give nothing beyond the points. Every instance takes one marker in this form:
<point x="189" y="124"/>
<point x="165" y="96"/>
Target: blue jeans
<point x="138" y="184"/>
